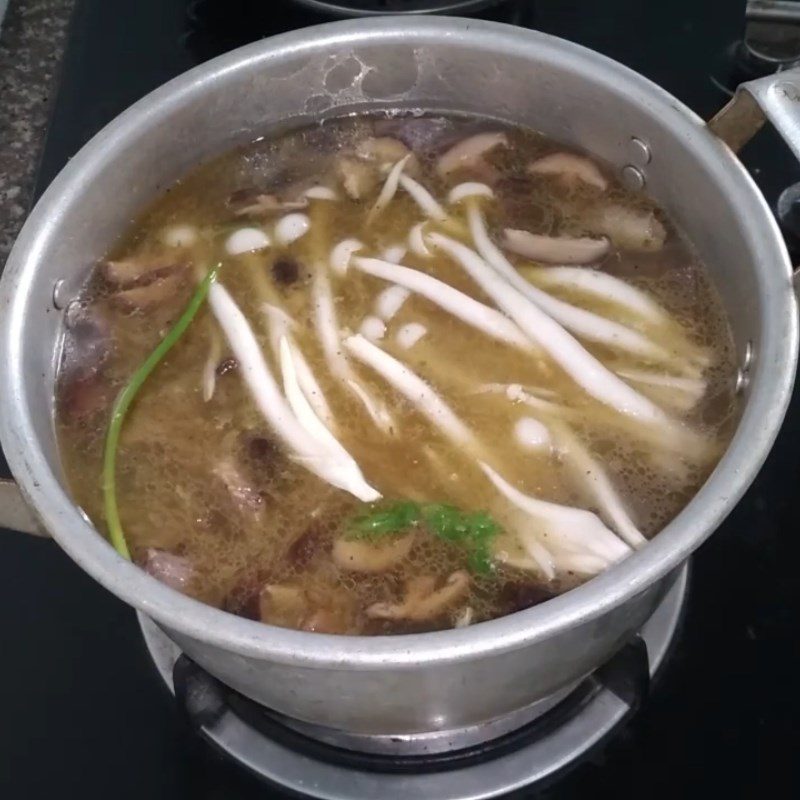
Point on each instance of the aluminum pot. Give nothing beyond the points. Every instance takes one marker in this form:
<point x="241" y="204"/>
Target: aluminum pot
<point x="454" y="678"/>
<point x="340" y="9"/>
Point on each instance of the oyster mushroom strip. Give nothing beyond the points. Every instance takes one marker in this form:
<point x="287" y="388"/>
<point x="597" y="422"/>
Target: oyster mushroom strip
<point x="569" y="168"/>
<point x="357" y="555"/>
<point x="469" y="152"/>
<point x="567" y="530"/>
<point x="470" y="311"/>
<point x="590" y="474"/>
<point x="589" y="373"/>
<point x="251" y="202"/>
<point x="582" y="323"/>
<point x="552" y="517"/>
<point x="389" y="189"/>
<point x="328" y="332"/>
<point x="422" y="600"/>
<point x="329" y="462"/>
<point x="280" y="325"/>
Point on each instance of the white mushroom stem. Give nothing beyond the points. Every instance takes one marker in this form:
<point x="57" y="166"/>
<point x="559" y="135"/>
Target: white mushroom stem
<point x="414" y="388"/>
<point x="537" y="556"/>
<point x="571" y="529"/>
<point x="468" y="190"/>
<point x="583" y="563"/>
<point x="460" y="305"/>
<point x="680" y="393"/>
<point x="291" y="228"/>
<point x="391" y="300"/>
<point x="602" y="286"/>
<point x="464" y="617"/>
<point x="555" y="249"/>
<point x="342" y="253"/>
<point x="297" y="400"/>
<point x="409" y="334"/>
<point x="423" y="198"/>
<point x="617" y="292"/>
<point x="585" y="324"/>
<point x="339" y="472"/>
<point x="416" y="241"/>
<point x="566" y="351"/>
<point x="468" y="152"/>
<point x="589" y="473"/>
<point x="210" y="367"/>
<point x="516" y="394"/>
<point x="389" y="189"/>
<point x="280" y="325"/>
<point x="328" y="332"/>
<point x="349" y="473"/>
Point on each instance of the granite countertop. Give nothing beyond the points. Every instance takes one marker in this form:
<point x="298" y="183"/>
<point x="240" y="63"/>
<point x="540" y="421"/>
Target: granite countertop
<point x="32" y="42"/>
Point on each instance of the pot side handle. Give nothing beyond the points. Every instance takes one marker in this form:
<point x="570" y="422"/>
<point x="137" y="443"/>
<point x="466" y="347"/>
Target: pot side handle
<point x="775" y="98"/>
<point x="15" y="513"/>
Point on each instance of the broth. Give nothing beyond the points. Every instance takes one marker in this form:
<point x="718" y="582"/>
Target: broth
<point x="618" y="422"/>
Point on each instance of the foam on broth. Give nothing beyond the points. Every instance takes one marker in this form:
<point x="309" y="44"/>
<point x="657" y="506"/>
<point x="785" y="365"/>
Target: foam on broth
<point x="210" y="500"/>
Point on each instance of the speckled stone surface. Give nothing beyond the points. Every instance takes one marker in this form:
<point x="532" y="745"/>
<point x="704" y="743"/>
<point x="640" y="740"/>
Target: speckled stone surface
<point x="31" y="45"/>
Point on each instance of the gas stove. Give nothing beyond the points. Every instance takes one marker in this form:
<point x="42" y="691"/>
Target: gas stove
<point x="531" y="746"/>
<point x="98" y="704"/>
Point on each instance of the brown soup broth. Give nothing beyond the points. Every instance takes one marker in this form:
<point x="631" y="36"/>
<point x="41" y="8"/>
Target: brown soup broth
<point x="211" y="499"/>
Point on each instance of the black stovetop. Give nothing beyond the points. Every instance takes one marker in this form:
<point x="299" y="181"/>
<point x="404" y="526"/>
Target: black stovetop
<point x="83" y="712"/>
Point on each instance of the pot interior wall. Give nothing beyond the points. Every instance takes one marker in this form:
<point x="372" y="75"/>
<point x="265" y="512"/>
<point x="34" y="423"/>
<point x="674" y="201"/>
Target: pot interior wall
<point x="542" y="86"/>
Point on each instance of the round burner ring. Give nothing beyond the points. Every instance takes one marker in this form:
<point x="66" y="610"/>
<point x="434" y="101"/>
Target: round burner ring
<point x="379" y="8"/>
<point x="582" y="727"/>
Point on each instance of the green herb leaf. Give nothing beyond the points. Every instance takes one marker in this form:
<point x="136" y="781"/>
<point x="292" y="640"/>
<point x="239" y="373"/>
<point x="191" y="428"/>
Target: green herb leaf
<point x="123" y="403"/>
<point x="473" y="531"/>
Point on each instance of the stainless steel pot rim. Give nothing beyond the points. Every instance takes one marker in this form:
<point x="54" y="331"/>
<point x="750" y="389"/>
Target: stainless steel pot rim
<point x="757" y="430"/>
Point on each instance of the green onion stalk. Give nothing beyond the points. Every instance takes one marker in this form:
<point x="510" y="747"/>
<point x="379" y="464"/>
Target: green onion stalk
<point x="123" y="403"/>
